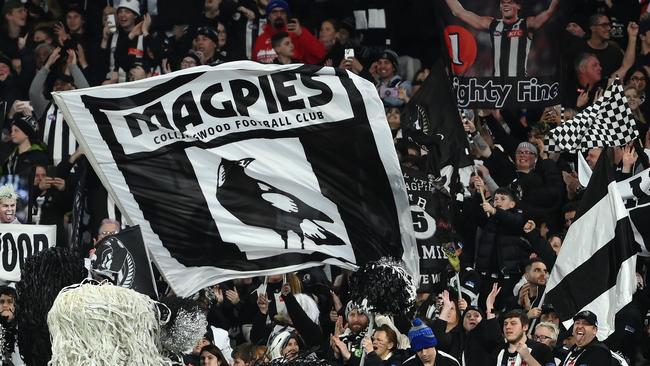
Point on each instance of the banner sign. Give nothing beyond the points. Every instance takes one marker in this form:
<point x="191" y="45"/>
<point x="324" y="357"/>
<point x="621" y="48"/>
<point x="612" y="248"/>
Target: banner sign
<point x="18" y="242"/>
<point x="246" y="169"/>
<point x="503" y="53"/>
<point x="431" y="228"/>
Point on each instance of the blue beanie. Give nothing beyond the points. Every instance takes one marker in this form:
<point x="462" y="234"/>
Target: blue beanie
<point x="277" y="4"/>
<point x="421" y="336"/>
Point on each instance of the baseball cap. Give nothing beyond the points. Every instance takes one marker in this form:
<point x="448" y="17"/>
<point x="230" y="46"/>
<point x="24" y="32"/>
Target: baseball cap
<point x="587" y="316"/>
<point x="11" y="5"/>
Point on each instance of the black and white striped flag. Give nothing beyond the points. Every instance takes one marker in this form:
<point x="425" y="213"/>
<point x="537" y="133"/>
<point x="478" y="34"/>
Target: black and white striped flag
<point x="606" y="123"/>
<point x="245" y="169"/>
<point x="595" y="269"/>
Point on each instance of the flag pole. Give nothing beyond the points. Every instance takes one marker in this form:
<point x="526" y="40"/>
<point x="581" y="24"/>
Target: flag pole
<point x="469" y="142"/>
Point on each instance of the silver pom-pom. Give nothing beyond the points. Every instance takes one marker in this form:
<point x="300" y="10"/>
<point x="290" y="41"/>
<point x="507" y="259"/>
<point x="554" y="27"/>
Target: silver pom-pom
<point x="187" y="328"/>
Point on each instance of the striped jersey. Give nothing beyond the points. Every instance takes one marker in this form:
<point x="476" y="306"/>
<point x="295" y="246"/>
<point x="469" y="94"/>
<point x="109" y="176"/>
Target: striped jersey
<point x="57" y="135"/>
<point x="510" y="47"/>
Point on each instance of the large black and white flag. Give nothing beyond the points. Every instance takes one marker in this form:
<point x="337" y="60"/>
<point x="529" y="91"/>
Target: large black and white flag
<point x="606" y="123"/>
<point x="595" y="269"/>
<point x="246" y="169"/>
<point x="635" y="192"/>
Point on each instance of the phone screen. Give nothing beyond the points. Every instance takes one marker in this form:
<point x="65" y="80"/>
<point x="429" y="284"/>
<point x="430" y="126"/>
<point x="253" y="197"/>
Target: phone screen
<point x="51" y="171"/>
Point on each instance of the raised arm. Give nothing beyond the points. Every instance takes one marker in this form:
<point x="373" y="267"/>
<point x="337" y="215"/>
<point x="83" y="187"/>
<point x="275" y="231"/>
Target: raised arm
<point x="473" y="19"/>
<point x="537" y="21"/>
<point x="630" y="51"/>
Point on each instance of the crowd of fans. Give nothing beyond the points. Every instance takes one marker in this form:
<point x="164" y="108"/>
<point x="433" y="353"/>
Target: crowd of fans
<point x="520" y="203"/>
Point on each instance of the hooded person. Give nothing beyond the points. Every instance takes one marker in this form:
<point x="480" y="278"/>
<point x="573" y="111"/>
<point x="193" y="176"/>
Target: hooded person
<point x="423" y="344"/>
<point x="285" y="344"/>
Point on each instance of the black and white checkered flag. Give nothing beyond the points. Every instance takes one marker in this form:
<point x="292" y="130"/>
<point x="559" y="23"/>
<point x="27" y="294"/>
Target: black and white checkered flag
<point x="608" y="122"/>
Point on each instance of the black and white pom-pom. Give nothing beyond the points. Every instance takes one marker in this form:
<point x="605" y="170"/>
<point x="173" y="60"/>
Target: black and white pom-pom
<point x="386" y="286"/>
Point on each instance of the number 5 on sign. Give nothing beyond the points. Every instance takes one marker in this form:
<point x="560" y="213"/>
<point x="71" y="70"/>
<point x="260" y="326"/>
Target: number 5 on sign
<point x="461" y="46"/>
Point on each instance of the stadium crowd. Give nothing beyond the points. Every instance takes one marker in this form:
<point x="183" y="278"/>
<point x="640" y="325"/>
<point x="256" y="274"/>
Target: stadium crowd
<point x="520" y="202"/>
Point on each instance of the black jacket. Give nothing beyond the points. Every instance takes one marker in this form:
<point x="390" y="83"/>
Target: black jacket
<point x="475" y="346"/>
<point x="501" y="248"/>
<point x="595" y="353"/>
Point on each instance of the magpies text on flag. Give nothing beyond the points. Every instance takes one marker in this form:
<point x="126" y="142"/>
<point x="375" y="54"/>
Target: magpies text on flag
<point x="245" y="169"/>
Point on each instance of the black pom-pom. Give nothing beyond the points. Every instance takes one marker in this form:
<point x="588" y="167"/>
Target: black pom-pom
<point x="41" y="278"/>
<point x="383" y="287"/>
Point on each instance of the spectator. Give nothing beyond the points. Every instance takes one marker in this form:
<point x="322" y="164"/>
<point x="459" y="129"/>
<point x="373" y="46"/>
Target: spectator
<point x="106" y="228"/>
<point x="382" y="349"/>
<point x="285" y="345"/>
<point x="130" y="43"/>
<point x="15" y="19"/>
<point x="10" y="352"/>
<point x="193" y="58"/>
<point x="301" y="314"/>
<point x="502" y="227"/>
<point x="479" y="336"/>
<point x="207" y="43"/>
<point x="211" y="356"/>
<point x="283" y="48"/>
<point x="609" y="54"/>
<point x="530" y="294"/>
<point x="423" y="343"/>
<point x="518" y="348"/>
<point x="588" y="350"/>
<point x="634" y="101"/>
<point x="589" y="73"/>
<point x="49" y="202"/>
<point x="59" y="75"/>
<point x="242" y="355"/>
<point x="547" y="333"/>
<point x="389" y="83"/>
<point x="8" y="200"/>
<point x="307" y="48"/>
<point x="28" y="152"/>
<point x="346" y="342"/>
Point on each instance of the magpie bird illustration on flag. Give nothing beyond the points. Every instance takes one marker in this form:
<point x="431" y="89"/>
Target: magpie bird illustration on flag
<point x="607" y="122"/>
<point x="245" y="169"/>
<point x="596" y="268"/>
